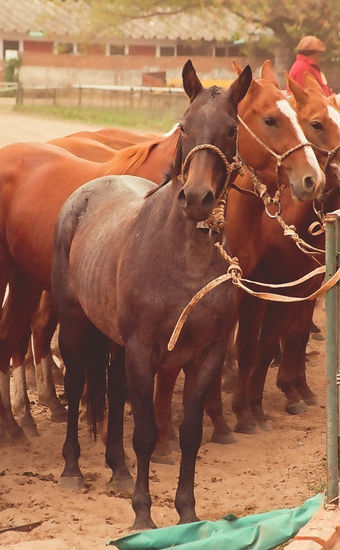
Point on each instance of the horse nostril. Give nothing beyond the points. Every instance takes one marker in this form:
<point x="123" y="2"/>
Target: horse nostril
<point x="309" y="182"/>
<point x="208" y="198"/>
<point x="181" y="196"/>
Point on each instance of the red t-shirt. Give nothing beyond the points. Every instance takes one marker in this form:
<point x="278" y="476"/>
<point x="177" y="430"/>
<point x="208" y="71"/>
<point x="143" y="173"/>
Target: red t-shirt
<point x="304" y="64"/>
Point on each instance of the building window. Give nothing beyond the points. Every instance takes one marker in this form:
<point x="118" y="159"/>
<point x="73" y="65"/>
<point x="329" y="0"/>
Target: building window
<point x="63" y="48"/>
<point x="10" y="49"/>
<point x="168" y="51"/>
<point x="116" y="50"/>
<point x="142" y="50"/>
<point x="195" y="49"/>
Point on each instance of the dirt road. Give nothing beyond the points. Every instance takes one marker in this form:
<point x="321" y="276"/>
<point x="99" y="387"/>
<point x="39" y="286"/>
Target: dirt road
<point x="16" y="127"/>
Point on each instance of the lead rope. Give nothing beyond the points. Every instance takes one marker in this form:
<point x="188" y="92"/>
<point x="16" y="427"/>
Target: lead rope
<point x="234" y="273"/>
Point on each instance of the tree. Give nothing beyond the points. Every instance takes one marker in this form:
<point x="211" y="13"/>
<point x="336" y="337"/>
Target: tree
<point x="288" y="20"/>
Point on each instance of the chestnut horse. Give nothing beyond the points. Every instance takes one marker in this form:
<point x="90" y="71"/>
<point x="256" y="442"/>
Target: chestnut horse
<point x="26" y="242"/>
<point x="253" y="236"/>
<point x="99" y="145"/>
<point x="263" y="324"/>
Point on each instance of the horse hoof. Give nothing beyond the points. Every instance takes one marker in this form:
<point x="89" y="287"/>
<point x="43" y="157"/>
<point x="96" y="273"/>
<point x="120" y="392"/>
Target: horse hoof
<point x="245" y="428"/>
<point x="123" y="487"/>
<point x="163" y="459"/>
<point x="311" y="401"/>
<point x="70" y="482"/>
<point x="192" y="518"/>
<point x="223" y="439"/>
<point x="141" y="525"/>
<point x="296" y="408"/>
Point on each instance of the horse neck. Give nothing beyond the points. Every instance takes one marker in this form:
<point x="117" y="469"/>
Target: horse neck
<point x="149" y="159"/>
<point x="179" y="235"/>
<point x="248" y="225"/>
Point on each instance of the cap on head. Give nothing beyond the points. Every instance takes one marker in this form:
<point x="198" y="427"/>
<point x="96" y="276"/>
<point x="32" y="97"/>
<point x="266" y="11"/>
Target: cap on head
<point x="311" y="44"/>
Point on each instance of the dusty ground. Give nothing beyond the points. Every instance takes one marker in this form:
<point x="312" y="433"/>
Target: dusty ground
<point x="258" y="473"/>
<point x="261" y="472"/>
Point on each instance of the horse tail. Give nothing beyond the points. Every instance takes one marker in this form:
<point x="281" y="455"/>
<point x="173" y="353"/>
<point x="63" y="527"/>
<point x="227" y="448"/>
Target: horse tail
<point x="96" y="375"/>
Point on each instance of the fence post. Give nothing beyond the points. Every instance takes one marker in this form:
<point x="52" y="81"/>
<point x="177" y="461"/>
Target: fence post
<point x="332" y="353"/>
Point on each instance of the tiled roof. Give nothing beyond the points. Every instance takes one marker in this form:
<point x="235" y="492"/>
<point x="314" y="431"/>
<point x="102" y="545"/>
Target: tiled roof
<point x="72" y="19"/>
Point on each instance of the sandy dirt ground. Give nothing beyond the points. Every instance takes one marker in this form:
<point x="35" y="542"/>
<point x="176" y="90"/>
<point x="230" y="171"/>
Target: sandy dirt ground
<point x="268" y="470"/>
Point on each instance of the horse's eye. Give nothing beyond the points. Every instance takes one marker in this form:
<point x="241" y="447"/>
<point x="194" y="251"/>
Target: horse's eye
<point x="270" y="121"/>
<point x="181" y="127"/>
<point x="317" y="125"/>
<point x="232" y="131"/>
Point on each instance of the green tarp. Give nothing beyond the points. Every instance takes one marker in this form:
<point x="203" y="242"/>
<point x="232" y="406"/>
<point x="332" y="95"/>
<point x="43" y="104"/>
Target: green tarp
<point x="258" y="532"/>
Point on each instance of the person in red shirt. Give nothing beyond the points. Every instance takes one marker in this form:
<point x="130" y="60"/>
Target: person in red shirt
<point x="309" y="50"/>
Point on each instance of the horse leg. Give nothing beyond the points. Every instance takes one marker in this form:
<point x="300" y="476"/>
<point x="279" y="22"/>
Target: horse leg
<point x="14" y="326"/>
<point x="14" y="433"/>
<point x="250" y="318"/>
<point x="267" y="349"/>
<point x="214" y="409"/>
<point x="291" y="378"/>
<point x="121" y="479"/>
<point x="21" y="403"/>
<point x="140" y="381"/>
<point x="43" y="327"/>
<point x="197" y="384"/>
<point x="85" y="352"/>
<point x="165" y="383"/>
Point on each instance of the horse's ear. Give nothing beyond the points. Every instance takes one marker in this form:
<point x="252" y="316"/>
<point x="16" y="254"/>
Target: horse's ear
<point x="333" y="99"/>
<point x="191" y="83"/>
<point x="310" y="82"/>
<point x="237" y="68"/>
<point x="239" y="87"/>
<point x="298" y="92"/>
<point x="268" y="73"/>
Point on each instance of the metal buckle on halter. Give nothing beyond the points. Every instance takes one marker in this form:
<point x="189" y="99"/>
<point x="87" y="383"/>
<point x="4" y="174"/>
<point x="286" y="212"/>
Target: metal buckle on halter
<point x="278" y="203"/>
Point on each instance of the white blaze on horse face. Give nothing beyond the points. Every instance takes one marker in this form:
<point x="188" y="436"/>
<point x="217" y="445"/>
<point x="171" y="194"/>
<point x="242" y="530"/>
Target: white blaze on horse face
<point x="334" y="115"/>
<point x="288" y="111"/>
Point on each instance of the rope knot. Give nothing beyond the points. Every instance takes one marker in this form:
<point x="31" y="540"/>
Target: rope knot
<point x="289" y="231"/>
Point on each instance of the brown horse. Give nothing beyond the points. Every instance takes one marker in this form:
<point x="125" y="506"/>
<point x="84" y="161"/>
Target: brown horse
<point x="252" y="234"/>
<point x="111" y="241"/>
<point x="263" y="324"/>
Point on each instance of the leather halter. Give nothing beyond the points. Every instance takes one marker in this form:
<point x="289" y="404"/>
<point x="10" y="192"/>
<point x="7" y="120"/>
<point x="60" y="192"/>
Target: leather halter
<point x="279" y="158"/>
<point x="216" y="219"/>
<point x="330" y="154"/>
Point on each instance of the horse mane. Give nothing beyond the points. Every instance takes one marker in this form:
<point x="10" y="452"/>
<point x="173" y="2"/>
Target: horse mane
<point x="128" y="160"/>
<point x="174" y="168"/>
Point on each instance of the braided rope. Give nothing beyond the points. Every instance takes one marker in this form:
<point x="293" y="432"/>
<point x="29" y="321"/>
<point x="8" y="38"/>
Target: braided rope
<point x="234" y="273"/>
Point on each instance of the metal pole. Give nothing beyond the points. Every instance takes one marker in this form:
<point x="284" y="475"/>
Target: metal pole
<point x="332" y="352"/>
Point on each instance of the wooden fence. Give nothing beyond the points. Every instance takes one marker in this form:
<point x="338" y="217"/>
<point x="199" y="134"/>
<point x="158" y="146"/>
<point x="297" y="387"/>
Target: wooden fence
<point x="137" y="97"/>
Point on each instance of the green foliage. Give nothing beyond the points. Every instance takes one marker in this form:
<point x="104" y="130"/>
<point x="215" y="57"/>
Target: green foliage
<point x="288" y="19"/>
<point x="11" y="70"/>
